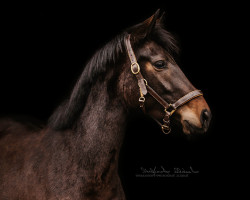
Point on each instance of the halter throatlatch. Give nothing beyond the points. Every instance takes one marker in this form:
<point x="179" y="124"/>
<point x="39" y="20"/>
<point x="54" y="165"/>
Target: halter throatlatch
<point x="144" y="88"/>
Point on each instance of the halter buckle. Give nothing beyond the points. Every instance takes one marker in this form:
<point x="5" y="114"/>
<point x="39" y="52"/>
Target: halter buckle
<point x="133" y="65"/>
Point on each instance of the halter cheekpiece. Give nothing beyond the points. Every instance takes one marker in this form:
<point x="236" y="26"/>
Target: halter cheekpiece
<point x="169" y="108"/>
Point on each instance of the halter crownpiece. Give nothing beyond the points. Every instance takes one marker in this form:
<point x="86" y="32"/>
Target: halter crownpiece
<point x="144" y="88"/>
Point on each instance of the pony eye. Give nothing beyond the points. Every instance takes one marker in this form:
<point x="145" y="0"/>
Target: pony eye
<point x="160" y="64"/>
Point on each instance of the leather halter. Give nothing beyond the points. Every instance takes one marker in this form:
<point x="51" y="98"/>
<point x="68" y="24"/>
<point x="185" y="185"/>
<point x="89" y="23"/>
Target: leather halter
<point x="144" y="88"/>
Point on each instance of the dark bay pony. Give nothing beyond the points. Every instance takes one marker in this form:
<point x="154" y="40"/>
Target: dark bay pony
<point x="75" y="156"/>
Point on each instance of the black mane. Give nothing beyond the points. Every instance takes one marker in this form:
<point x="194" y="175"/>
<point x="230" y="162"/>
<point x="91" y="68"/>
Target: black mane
<point x="67" y="113"/>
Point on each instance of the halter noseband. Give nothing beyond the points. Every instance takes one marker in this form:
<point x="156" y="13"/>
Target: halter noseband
<point x="169" y="109"/>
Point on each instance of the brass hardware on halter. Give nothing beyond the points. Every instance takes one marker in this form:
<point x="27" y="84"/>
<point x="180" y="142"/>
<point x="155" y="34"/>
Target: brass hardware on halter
<point x="138" y="68"/>
<point x="165" y="129"/>
<point x="142" y="99"/>
<point x="169" y="109"/>
<point x="166" y="122"/>
<point x="170" y="112"/>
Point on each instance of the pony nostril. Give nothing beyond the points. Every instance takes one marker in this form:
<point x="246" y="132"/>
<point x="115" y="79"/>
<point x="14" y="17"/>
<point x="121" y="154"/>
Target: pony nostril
<point x="205" y="115"/>
<point x="205" y="118"/>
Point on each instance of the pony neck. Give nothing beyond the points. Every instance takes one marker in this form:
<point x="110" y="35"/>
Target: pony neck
<point x="93" y="145"/>
<point x="101" y="126"/>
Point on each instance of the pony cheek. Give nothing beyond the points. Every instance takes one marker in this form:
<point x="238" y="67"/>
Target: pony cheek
<point x="154" y="109"/>
<point x="131" y="96"/>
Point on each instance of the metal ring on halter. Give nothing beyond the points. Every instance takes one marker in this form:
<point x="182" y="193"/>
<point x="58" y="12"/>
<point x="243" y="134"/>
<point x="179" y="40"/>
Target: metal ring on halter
<point x="138" y="68"/>
<point x="142" y="99"/>
<point x="166" y="111"/>
<point x="166" y="121"/>
<point x="169" y="112"/>
<point x="165" y="129"/>
<point x="172" y="111"/>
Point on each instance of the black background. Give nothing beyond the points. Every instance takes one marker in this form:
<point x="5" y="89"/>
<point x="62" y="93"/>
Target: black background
<point x="45" y="46"/>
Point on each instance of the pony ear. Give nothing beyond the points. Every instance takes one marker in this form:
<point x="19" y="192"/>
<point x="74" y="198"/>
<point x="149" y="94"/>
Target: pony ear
<point x="144" y="29"/>
<point x="161" y="19"/>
